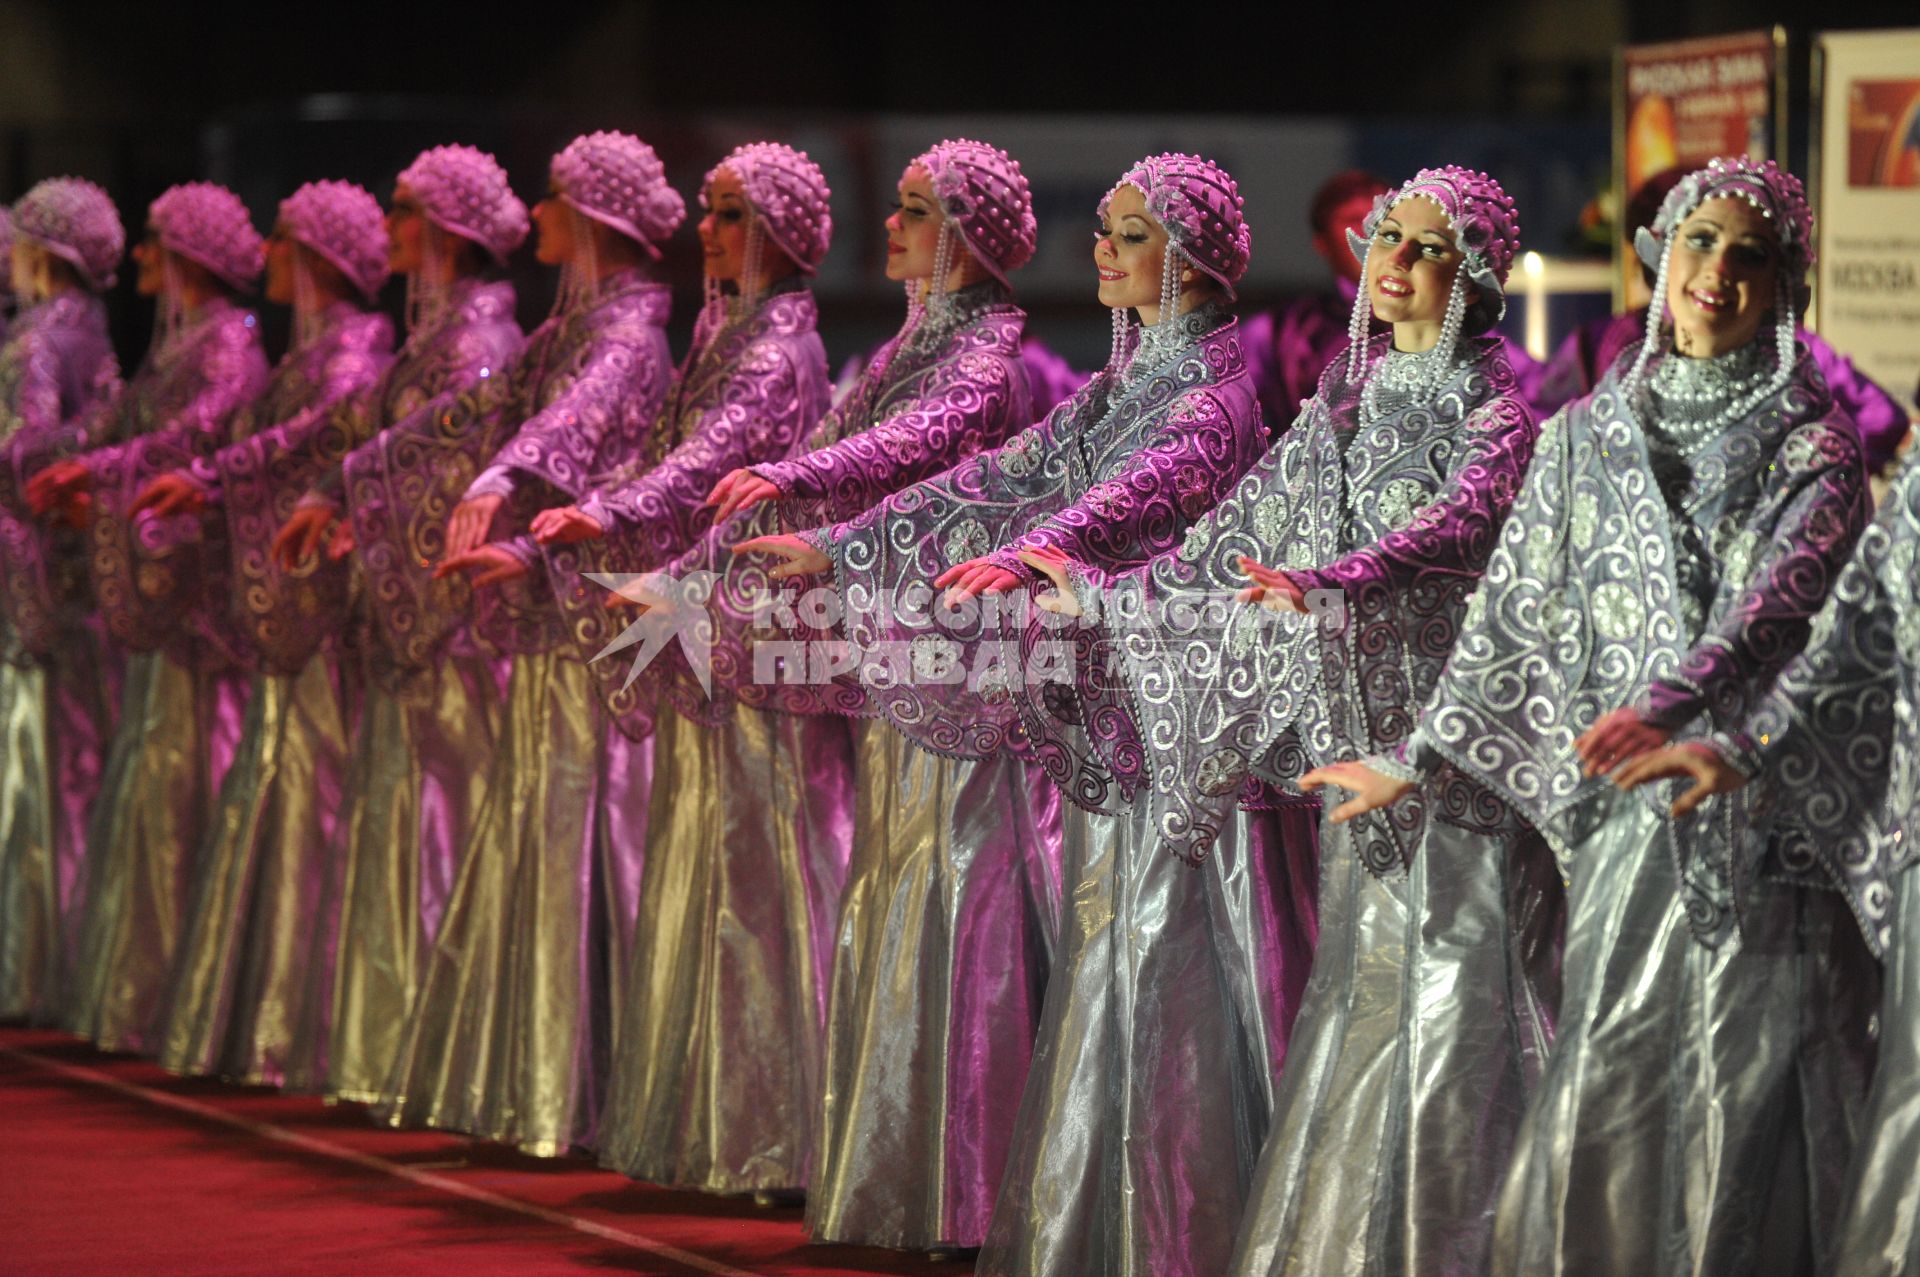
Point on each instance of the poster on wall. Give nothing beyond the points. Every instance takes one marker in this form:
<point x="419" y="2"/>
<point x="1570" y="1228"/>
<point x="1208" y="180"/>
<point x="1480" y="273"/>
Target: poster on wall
<point x="1867" y="202"/>
<point x="1682" y="103"/>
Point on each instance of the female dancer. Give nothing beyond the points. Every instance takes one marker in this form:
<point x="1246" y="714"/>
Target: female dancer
<point x="180" y="710"/>
<point x="57" y="370"/>
<point x="951" y="381"/>
<point x="1385" y="495"/>
<point x="430" y="707"/>
<point x="1098" y="1178"/>
<point x="1674" y="538"/>
<point x="259" y="871"/>
<point x="507" y="1039"/>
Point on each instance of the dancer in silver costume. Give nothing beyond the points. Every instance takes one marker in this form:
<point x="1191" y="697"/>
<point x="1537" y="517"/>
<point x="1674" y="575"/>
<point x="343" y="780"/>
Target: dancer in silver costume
<point x="1152" y="1069"/>
<point x="57" y="371"/>
<point x="1423" y="1025"/>
<point x="1678" y="531"/>
<point x="430" y="699"/>
<point x="950" y="383"/>
<point x="508" y="1037"/>
<point x="182" y="700"/>
<point x="260" y="872"/>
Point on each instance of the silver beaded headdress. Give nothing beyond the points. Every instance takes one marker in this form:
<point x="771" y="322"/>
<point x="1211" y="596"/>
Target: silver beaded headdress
<point x="343" y="223"/>
<point x="464" y="191"/>
<point x="1782" y="201"/>
<point x="1199" y="205"/>
<point x="208" y="225"/>
<point x="1486" y="230"/>
<point x="74" y="220"/>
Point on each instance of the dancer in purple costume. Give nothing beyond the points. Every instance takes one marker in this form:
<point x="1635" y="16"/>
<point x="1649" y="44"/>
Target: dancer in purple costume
<point x="430" y="699"/>
<point x="180" y="707"/>
<point x="260" y="872"/>
<point x="508" y="1037"/>
<point x="56" y="677"/>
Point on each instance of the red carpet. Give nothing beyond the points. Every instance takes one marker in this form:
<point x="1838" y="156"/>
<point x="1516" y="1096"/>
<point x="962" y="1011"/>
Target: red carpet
<point x="109" y="1165"/>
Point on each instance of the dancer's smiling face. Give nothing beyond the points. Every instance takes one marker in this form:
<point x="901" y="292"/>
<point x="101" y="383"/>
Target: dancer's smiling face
<point x="913" y="229"/>
<point x="1721" y="277"/>
<point x="1129" y="251"/>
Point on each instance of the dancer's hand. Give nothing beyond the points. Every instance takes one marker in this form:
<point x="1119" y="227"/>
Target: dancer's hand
<point x="490" y="565"/>
<point x="566" y="525"/>
<point x="300" y="536"/>
<point x="1051" y="562"/>
<point x="1271" y="588"/>
<point x="53" y="485"/>
<point x="976" y="576"/>
<point x="802" y="559"/>
<point x="75" y="512"/>
<point x="342" y="542"/>
<point x="636" y="596"/>
<point x="1369" y="788"/>
<point x="170" y="494"/>
<point x="737" y="491"/>
<point x="1619" y="737"/>
<point x="470" y="522"/>
<point x="1711" y="774"/>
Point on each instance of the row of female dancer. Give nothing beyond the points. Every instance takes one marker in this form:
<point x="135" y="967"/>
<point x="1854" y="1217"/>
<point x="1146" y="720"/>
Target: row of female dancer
<point x="327" y="766"/>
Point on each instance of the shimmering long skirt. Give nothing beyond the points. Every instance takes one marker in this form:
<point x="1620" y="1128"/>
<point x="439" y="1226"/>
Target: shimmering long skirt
<point x="177" y="733"/>
<point x="1152" y="1080"/>
<point x="1697" y="1112"/>
<point x="717" y="1076"/>
<point x="417" y="777"/>
<point x="261" y="883"/>
<point x="946" y="935"/>
<point x="53" y="741"/>
<point x="1879" y="1230"/>
<point x="1427" y="1020"/>
<point x="509" y="1035"/>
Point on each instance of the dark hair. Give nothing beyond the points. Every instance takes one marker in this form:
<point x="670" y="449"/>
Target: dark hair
<point x="1337" y="190"/>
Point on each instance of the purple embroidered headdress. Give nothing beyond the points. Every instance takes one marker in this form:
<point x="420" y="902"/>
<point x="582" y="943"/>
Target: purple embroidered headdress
<point x="1780" y="198"/>
<point x="343" y="223"/>
<point x="617" y="180"/>
<point x="1199" y="205"/>
<point x="74" y="220"/>
<point x="789" y="197"/>
<point x="985" y="198"/>
<point x="1486" y="230"/>
<point x="465" y="192"/>
<point x="208" y="225"/>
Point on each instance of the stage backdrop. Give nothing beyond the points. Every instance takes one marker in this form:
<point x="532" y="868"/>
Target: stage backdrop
<point x="1867" y="200"/>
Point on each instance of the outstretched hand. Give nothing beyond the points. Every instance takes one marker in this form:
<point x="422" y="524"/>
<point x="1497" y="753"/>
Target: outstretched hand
<point x="170" y="494"/>
<point x="1271" y="588"/>
<point x="1710" y="773"/>
<point x="489" y="565"/>
<point x="55" y="484"/>
<point x="300" y="536"/>
<point x="1051" y="562"/>
<point x="470" y="522"/>
<point x="738" y="490"/>
<point x="566" y="525"/>
<point x="1619" y="737"/>
<point x="976" y="576"/>
<point x="801" y="558"/>
<point x="1369" y="788"/>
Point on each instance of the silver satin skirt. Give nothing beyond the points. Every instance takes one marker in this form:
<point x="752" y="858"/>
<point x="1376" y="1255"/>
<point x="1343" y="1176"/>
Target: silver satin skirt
<point x="718" y="1067"/>
<point x="1424" y="1031"/>
<point x="1152" y="1080"/>
<point x="1879" y="1231"/>
<point x="53" y="739"/>
<point x="417" y="775"/>
<point x="261" y="884"/>
<point x="177" y="734"/>
<point x="508" y="1038"/>
<point x="1697" y="1113"/>
<point x="945" y="939"/>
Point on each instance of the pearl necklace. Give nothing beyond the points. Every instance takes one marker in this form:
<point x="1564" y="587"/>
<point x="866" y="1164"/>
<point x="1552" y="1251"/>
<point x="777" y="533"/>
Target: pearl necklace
<point x="1693" y="401"/>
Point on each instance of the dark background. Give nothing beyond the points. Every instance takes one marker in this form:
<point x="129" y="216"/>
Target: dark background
<point x="264" y="96"/>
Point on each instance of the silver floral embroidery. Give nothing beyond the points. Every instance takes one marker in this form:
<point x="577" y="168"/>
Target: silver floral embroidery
<point x="1617" y="612"/>
<point x="1020" y="456"/>
<point x="1195" y="543"/>
<point x="1220" y="771"/>
<point x="1586" y="519"/>
<point x="1399" y="501"/>
<point x="933" y="656"/>
<point x="1269" y="517"/>
<point x="967" y="541"/>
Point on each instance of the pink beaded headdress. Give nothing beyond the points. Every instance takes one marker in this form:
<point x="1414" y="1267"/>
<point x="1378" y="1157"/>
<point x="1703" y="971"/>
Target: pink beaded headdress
<point x="1780" y="198"/>
<point x="789" y="197"/>
<point x="1486" y="230"/>
<point x="985" y="196"/>
<point x="74" y="220"/>
<point x="465" y="192"/>
<point x="617" y="180"/>
<point x="342" y="223"/>
<point x="1199" y="204"/>
<point x="208" y="225"/>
